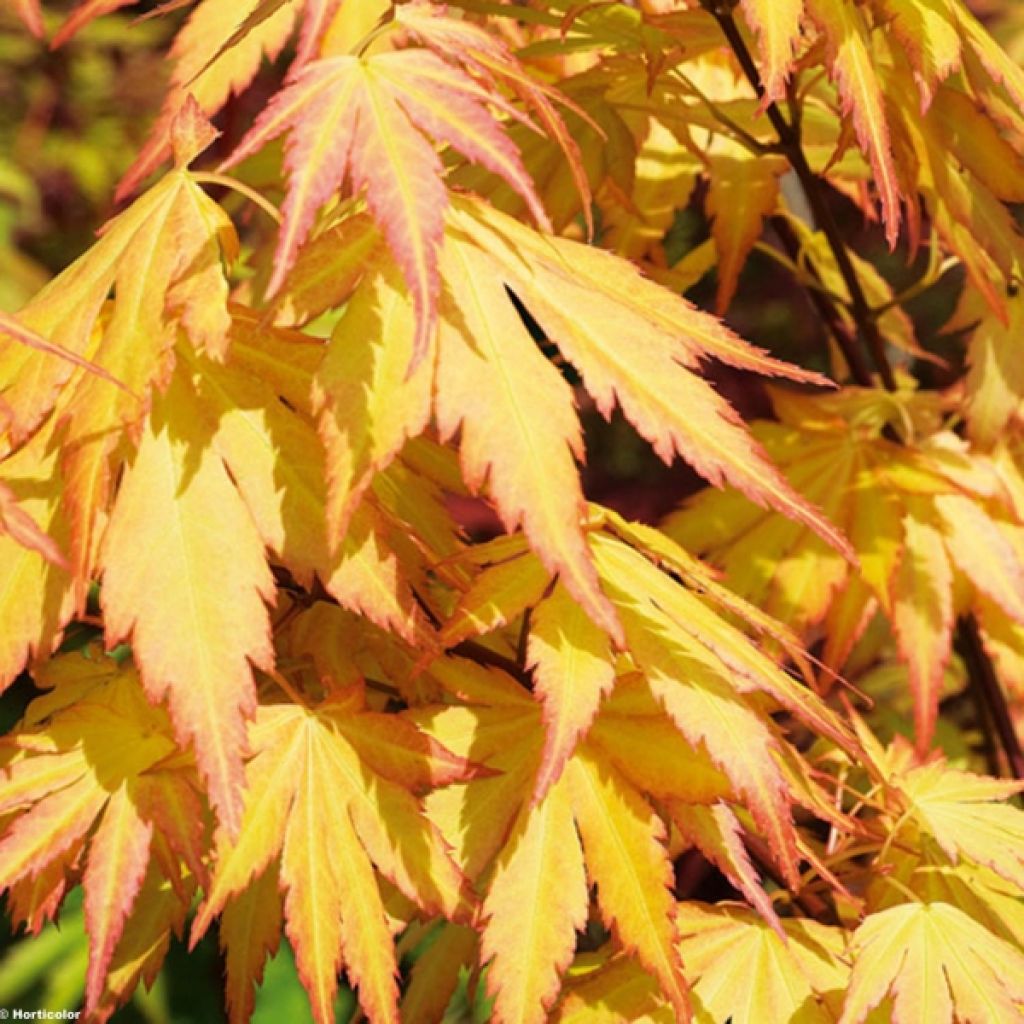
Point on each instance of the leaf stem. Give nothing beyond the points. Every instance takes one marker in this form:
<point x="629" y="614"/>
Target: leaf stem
<point x="791" y="145"/>
<point x="742" y="136"/>
<point x="287" y="687"/>
<point x="226" y="181"/>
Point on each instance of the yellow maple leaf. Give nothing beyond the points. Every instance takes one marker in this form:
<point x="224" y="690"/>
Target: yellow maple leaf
<point x="937" y="963"/>
<point x="86" y="772"/>
<point x="327" y="853"/>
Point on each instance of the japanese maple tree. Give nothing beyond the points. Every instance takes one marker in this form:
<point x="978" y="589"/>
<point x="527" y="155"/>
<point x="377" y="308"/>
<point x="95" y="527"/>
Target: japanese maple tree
<point x="756" y="763"/>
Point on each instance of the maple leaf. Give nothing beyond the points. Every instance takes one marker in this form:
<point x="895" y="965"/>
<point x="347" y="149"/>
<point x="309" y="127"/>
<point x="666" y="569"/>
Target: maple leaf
<point x="162" y="257"/>
<point x="209" y="71"/>
<point x="36" y="602"/>
<point x="164" y="548"/>
<point x="777" y="23"/>
<point x="618" y="989"/>
<point x="86" y="772"/>
<point x="744" y="971"/>
<point x="601" y="761"/>
<point x="20" y="527"/>
<point x="848" y="46"/>
<point x="367" y="120"/>
<point x="326" y="855"/>
<point x="671" y="635"/>
<point x="966" y="815"/>
<point x="937" y="963"/>
<point x="994" y="382"/>
<point x="496" y="828"/>
<point x="744" y="189"/>
<point x="908" y="509"/>
<point x="928" y="33"/>
<point x="665" y="336"/>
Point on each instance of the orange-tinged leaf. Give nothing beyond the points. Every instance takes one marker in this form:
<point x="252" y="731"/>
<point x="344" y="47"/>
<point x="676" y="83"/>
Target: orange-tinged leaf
<point x="717" y="833"/>
<point x="162" y="257"/>
<point x="573" y="667"/>
<point x="19" y="526"/>
<point x="366" y="120"/>
<point x="744" y="189"/>
<point x="370" y="404"/>
<point x="938" y="965"/>
<point x="923" y="618"/>
<point x="927" y="32"/>
<point x="118" y="858"/>
<point x="635" y="345"/>
<point x="35" y="595"/>
<point x="536" y="902"/>
<point x="848" y="45"/>
<point x="982" y="552"/>
<point x="333" y="908"/>
<point x="491" y="380"/>
<point x="622" y="840"/>
<point x="179" y="535"/>
<point x="777" y="24"/>
<point x="496" y="597"/>
<point x="209" y="81"/>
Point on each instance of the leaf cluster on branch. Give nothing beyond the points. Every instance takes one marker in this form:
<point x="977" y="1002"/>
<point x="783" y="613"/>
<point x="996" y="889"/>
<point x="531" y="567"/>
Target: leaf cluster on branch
<point x="756" y="764"/>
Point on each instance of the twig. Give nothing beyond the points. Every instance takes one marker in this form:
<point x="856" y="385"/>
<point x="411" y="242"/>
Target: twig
<point x="825" y="309"/>
<point x="989" y="695"/>
<point x="791" y="145"/>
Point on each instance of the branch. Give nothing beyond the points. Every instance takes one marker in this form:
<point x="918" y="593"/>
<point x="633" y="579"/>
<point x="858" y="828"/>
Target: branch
<point x="988" y="693"/>
<point x="790" y="145"/>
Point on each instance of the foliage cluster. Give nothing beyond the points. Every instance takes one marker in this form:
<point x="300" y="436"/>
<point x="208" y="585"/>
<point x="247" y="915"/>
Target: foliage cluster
<point x="757" y="763"/>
